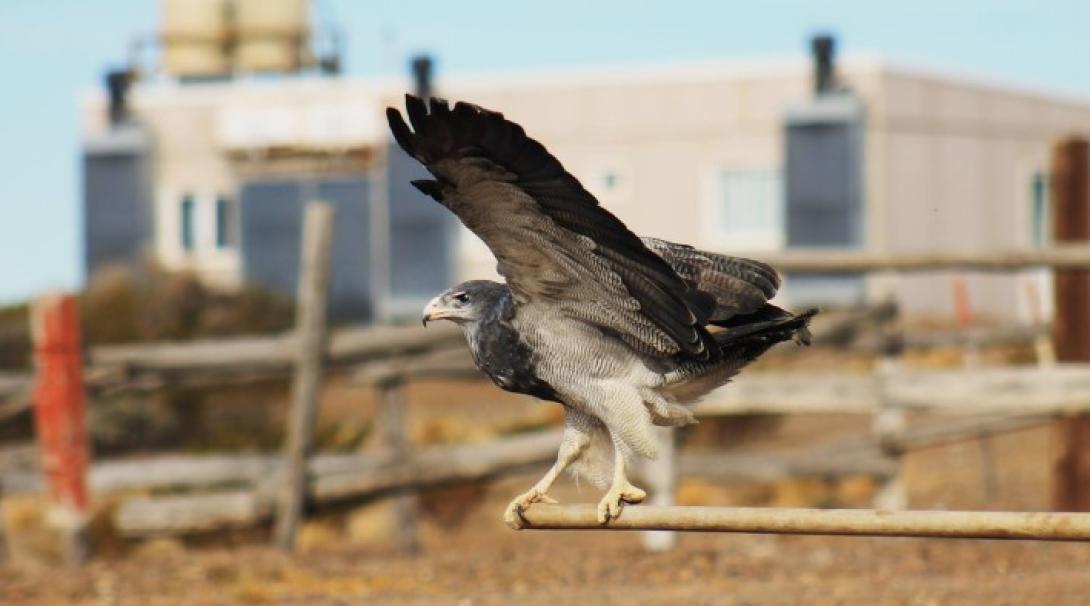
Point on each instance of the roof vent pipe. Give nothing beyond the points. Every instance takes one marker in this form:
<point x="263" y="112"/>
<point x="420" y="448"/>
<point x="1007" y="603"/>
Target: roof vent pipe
<point x="823" y="47"/>
<point x="422" y="68"/>
<point x="117" y="86"/>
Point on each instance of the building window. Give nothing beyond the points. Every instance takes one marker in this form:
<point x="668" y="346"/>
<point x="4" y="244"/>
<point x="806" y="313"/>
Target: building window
<point x="225" y="223"/>
<point x="751" y="206"/>
<point x="188" y="222"/>
<point x="1040" y="197"/>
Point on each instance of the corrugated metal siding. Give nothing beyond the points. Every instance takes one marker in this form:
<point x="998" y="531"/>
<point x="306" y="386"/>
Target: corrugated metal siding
<point x="271" y="224"/>
<point x="117" y="215"/>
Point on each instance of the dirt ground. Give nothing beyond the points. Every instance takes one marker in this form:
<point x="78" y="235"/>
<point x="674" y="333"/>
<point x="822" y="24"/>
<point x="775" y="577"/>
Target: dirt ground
<point x="504" y="567"/>
<point x="476" y="560"/>
<point x="468" y="557"/>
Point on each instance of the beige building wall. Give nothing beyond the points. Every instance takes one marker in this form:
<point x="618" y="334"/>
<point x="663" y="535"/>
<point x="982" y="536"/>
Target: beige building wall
<point x="948" y="161"/>
<point x="955" y="160"/>
<point x="666" y="136"/>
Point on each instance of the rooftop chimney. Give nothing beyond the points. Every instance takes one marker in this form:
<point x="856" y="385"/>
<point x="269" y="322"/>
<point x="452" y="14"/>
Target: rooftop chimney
<point x="117" y="85"/>
<point x="421" y="67"/>
<point x="823" y="47"/>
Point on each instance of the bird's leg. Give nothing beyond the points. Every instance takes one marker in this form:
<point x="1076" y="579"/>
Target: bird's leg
<point x="570" y="449"/>
<point x="620" y="492"/>
<point x="513" y="516"/>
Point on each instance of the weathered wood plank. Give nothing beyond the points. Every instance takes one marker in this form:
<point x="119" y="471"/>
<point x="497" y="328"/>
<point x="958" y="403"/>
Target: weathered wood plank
<point x="1064" y="388"/>
<point x="15" y="385"/>
<point x="225" y="356"/>
<point x="201" y="472"/>
<point x="393" y="427"/>
<point x="185" y="472"/>
<point x="1060" y="389"/>
<point x="791" y="393"/>
<point x="1069" y="256"/>
<point x="313" y="297"/>
<point x="355" y="477"/>
<point x="774" y="467"/>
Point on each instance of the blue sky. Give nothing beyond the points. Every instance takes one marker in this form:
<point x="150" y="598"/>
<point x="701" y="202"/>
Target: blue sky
<point x="53" y="49"/>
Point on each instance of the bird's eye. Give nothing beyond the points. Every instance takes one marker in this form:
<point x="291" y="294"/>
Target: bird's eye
<point x="460" y="297"/>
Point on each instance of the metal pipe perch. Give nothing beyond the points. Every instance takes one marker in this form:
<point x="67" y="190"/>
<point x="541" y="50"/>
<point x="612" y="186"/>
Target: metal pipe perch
<point x="856" y="522"/>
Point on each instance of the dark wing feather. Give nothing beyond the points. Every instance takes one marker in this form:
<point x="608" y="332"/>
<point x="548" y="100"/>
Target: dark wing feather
<point x="555" y="245"/>
<point x="740" y="286"/>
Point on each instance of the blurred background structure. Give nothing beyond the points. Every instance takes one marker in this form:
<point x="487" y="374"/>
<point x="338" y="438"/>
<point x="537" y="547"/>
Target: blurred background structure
<point x="743" y="156"/>
<point x="939" y="216"/>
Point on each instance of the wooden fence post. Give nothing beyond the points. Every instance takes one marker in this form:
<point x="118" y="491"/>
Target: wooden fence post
<point x="1071" y="326"/>
<point x="1043" y="346"/>
<point x="889" y="422"/>
<point x="60" y="419"/>
<point x="970" y="351"/>
<point x="393" y="438"/>
<point x="660" y="478"/>
<point x="311" y="338"/>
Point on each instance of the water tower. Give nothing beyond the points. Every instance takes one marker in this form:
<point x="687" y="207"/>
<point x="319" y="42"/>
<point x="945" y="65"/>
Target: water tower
<point x="207" y="39"/>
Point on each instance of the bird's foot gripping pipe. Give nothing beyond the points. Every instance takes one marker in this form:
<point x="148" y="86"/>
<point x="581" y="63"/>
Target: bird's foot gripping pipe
<point x="513" y="516"/>
<point x="615" y="498"/>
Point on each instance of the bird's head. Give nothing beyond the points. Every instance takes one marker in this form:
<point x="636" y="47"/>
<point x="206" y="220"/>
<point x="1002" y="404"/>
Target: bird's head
<point x="465" y="303"/>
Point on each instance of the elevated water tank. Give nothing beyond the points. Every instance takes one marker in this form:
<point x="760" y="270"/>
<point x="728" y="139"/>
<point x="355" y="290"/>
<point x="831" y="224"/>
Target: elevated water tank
<point x="271" y="35"/>
<point x="195" y="38"/>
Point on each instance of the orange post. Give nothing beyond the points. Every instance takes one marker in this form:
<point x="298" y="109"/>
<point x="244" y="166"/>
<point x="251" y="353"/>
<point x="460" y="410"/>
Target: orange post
<point x="59" y="416"/>
<point x="963" y="309"/>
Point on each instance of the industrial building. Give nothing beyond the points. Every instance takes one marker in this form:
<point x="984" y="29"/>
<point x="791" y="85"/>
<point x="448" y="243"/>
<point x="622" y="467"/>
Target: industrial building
<point x="205" y="167"/>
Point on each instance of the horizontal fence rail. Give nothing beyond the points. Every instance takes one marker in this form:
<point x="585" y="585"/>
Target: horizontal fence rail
<point x="1071" y="256"/>
<point x="849" y="522"/>
<point x="345" y="346"/>
<point x="333" y="479"/>
<point x="1059" y="389"/>
<point x="379" y="354"/>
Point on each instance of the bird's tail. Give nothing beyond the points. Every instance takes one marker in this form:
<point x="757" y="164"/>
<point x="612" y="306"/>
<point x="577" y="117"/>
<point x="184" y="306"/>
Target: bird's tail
<point x="741" y="340"/>
<point x="766" y="326"/>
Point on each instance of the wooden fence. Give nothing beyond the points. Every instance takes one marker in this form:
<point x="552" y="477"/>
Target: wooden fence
<point x="388" y="358"/>
<point x="241" y="492"/>
<point x="237" y="491"/>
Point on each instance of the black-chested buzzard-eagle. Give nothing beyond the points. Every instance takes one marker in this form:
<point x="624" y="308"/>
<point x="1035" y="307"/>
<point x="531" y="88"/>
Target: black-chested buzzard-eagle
<point x="620" y="330"/>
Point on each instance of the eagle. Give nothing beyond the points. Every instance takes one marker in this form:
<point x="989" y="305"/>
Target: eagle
<point x="622" y="331"/>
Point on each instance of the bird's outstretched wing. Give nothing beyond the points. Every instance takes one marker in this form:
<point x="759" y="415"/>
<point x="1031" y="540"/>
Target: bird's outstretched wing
<point x="740" y="286"/>
<point x="555" y="245"/>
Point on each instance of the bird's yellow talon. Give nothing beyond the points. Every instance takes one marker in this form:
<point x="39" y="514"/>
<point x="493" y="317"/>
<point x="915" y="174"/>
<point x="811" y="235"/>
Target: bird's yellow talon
<point x="609" y="508"/>
<point x="513" y="516"/>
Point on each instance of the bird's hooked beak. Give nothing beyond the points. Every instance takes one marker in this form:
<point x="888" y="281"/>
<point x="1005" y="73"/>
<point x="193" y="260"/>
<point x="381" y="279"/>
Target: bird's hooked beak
<point x="435" y="310"/>
<point x="453" y="306"/>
